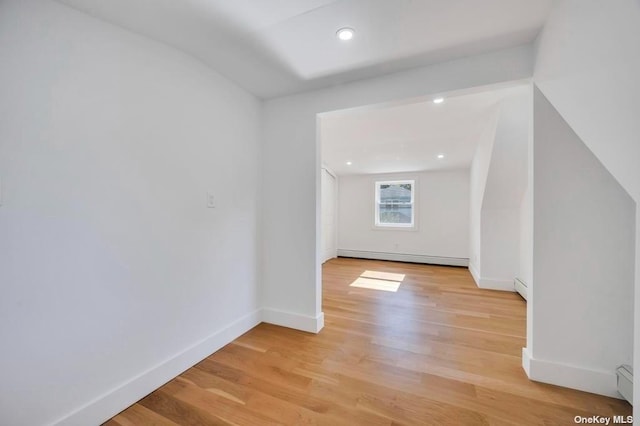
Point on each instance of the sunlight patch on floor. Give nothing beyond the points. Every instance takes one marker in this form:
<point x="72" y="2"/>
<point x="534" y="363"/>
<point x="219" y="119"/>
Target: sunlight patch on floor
<point x="376" y="280"/>
<point x="387" y="276"/>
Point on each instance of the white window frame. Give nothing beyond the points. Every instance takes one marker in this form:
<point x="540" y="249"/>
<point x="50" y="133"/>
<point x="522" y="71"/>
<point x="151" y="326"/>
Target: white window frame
<point x="382" y="225"/>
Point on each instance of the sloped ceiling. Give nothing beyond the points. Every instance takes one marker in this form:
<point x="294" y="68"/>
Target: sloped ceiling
<point x="277" y="47"/>
<point x="409" y="137"/>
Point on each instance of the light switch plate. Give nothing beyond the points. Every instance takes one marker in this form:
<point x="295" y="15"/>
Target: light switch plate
<point x="211" y="200"/>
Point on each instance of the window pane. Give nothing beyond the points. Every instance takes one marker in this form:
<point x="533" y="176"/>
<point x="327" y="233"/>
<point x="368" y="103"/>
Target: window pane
<point x="395" y="213"/>
<point x="395" y="203"/>
<point x="396" y="193"/>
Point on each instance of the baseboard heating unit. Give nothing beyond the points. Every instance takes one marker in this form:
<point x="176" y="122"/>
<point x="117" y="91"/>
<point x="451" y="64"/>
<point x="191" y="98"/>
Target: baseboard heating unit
<point x="521" y="287"/>
<point x="625" y="382"/>
<point x="403" y="257"/>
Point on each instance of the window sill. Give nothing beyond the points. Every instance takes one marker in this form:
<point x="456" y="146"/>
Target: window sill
<point x="413" y="228"/>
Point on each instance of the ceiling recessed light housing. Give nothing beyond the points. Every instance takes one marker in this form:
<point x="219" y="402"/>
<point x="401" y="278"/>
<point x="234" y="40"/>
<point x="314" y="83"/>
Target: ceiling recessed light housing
<point x="345" y="34"/>
<point x="440" y="156"/>
<point x="349" y="163"/>
<point x="438" y="100"/>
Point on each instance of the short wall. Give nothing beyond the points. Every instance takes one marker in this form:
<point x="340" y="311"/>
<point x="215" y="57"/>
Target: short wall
<point x="441" y="216"/>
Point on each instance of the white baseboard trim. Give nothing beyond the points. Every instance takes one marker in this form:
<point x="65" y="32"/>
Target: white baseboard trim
<point x="293" y="320"/>
<point x="111" y="403"/>
<point x="490" y="283"/>
<point x="526" y="362"/>
<point x="570" y="376"/>
<point x="474" y="273"/>
<point x="521" y="288"/>
<point x="494" y="284"/>
<point x="402" y="257"/>
<point x="329" y="257"/>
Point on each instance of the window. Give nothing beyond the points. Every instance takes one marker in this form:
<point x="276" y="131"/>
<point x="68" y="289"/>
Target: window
<point x="395" y="204"/>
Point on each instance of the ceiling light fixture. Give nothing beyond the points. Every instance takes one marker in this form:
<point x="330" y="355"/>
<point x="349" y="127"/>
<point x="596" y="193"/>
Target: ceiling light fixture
<point x="349" y="163"/>
<point x="345" y="34"/>
<point x="438" y="100"/>
<point x="440" y="156"/>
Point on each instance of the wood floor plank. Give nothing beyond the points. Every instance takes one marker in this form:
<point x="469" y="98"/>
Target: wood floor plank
<point x="140" y="415"/>
<point x="438" y="351"/>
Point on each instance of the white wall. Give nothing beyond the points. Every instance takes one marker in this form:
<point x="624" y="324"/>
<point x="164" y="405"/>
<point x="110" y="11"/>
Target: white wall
<point x="525" y="249"/>
<point x="498" y="182"/>
<point x="525" y="264"/>
<point x="499" y="248"/>
<point x="587" y="66"/>
<point x="507" y="174"/>
<point x="329" y="196"/>
<point x="291" y="238"/>
<point x="583" y="262"/>
<point x="442" y="216"/>
<point x="110" y="263"/>
<point x="505" y="186"/>
<point x="477" y="183"/>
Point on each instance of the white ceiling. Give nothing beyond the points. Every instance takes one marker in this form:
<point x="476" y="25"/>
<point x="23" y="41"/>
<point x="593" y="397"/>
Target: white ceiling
<point x="409" y="137"/>
<point x="277" y="47"/>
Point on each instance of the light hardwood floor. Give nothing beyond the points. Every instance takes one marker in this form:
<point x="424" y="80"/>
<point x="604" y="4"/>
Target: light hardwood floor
<point x="439" y="351"/>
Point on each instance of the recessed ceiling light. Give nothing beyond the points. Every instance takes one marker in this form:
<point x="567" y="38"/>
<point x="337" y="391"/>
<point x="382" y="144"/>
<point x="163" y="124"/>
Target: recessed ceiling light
<point x="349" y="163"/>
<point x="438" y="100"/>
<point x="345" y="34"/>
<point x="440" y="156"/>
